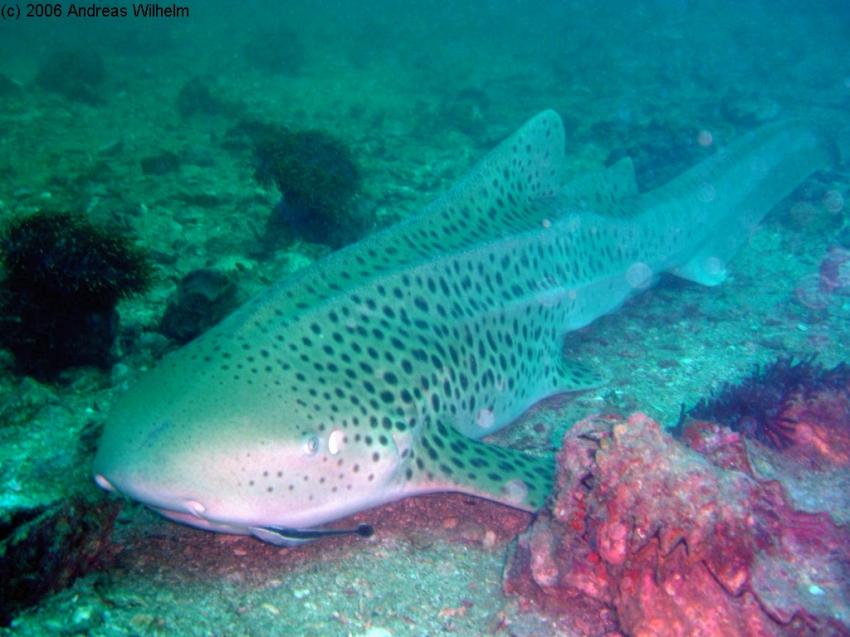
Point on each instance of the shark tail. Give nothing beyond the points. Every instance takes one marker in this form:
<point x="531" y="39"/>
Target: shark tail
<point x="726" y="196"/>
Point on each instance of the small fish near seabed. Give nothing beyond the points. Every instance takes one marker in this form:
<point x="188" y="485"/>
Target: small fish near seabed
<point x="370" y="375"/>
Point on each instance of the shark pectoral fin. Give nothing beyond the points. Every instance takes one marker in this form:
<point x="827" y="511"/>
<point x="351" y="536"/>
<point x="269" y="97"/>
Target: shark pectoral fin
<point x="577" y="376"/>
<point x="446" y="460"/>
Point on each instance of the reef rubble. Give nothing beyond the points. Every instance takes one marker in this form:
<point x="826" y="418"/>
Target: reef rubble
<point x="647" y="534"/>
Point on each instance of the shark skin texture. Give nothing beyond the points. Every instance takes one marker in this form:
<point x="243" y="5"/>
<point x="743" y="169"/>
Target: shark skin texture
<point x="370" y="375"/>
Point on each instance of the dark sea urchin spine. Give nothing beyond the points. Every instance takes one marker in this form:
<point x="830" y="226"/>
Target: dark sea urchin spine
<point x="755" y="405"/>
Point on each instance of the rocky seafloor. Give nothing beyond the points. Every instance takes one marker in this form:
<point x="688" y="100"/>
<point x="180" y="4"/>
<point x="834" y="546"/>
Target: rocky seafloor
<point x="130" y="154"/>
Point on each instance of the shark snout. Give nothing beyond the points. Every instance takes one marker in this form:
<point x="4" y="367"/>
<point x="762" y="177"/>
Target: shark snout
<point x="138" y="469"/>
<point x="150" y="494"/>
<point x="163" y="495"/>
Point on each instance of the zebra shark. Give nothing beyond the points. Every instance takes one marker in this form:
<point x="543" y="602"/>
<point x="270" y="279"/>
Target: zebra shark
<point x="372" y="374"/>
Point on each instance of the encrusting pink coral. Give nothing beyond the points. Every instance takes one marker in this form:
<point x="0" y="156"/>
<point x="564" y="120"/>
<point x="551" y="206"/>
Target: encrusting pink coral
<point x="652" y="537"/>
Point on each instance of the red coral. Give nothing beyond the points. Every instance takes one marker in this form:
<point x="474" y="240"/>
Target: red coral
<point x="648" y="537"/>
<point x="821" y="428"/>
<point x="724" y="447"/>
<point x="834" y="271"/>
<point x="755" y="405"/>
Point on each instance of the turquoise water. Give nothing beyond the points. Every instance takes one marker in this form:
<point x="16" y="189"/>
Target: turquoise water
<point x="167" y="131"/>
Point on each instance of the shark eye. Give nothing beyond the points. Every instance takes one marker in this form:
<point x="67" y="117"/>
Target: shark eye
<point x="311" y="445"/>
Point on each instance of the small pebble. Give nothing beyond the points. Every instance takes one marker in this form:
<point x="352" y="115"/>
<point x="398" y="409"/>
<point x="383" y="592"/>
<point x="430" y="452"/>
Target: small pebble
<point x="489" y="540"/>
<point x="619" y="431"/>
<point x="119" y="372"/>
<point x="376" y="631"/>
<point x="82" y="615"/>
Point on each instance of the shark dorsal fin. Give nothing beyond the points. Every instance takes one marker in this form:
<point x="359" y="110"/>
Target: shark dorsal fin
<point x="500" y="196"/>
<point x="602" y="191"/>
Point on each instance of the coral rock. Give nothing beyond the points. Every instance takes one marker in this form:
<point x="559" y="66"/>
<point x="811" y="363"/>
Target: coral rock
<point x="835" y="271"/>
<point x="63" y="279"/>
<point x="648" y="536"/>
<point x="77" y="74"/>
<point x="202" y="299"/>
<point x="821" y="428"/>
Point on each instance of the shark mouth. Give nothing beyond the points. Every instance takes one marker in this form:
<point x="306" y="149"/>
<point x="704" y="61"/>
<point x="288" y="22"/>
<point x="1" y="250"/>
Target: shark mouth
<point x="193" y="515"/>
<point x="279" y="536"/>
<point x="192" y="519"/>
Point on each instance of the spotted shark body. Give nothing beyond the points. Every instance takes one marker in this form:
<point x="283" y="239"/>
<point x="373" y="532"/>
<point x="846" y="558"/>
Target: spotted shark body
<point x="370" y="375"/>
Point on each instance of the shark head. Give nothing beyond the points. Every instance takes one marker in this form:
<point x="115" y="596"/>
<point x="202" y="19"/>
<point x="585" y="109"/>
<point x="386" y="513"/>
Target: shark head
<point x="202" y="450"/>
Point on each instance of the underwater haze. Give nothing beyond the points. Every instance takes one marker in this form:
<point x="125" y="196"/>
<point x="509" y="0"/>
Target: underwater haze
<point x="388" y="318"/>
